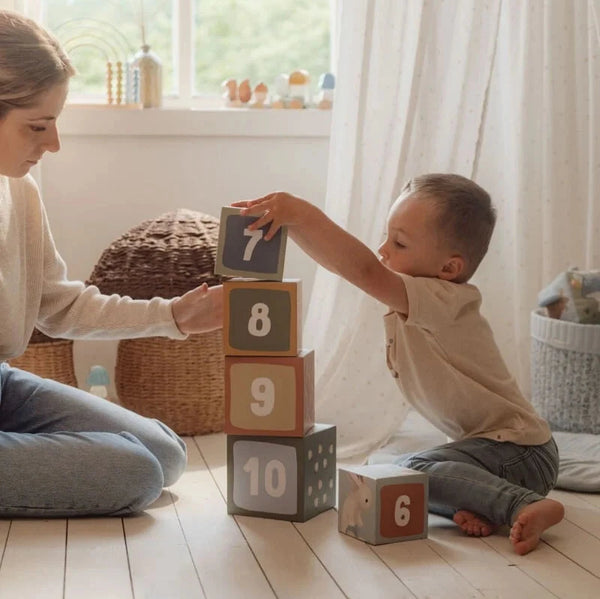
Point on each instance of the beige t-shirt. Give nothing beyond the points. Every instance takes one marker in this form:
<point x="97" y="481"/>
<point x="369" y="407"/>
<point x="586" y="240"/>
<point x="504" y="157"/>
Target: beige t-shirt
<point x="448" y="366"/>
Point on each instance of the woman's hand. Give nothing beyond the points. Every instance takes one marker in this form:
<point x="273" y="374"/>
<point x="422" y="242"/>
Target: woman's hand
<point x="279" y="209"/>
<point x="199" y="310"/>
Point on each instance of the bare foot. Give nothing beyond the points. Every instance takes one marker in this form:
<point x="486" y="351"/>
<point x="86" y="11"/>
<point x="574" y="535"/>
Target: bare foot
<point x="473" y="524"/>
<point x="532" y="521"/>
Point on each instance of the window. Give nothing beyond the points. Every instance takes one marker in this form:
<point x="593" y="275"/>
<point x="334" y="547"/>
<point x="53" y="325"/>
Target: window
<point x="199" y="42"/>
<point x="258" y="40"/>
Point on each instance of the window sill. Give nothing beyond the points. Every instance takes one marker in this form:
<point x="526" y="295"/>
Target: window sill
<point x="79" y="120"/>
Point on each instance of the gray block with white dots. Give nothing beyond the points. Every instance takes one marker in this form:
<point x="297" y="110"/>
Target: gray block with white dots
<point x="286" y="478"/>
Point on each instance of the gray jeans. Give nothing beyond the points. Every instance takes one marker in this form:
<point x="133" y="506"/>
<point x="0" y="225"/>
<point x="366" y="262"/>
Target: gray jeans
<point x="64" y="452"/>
<point x="490" y="478"/>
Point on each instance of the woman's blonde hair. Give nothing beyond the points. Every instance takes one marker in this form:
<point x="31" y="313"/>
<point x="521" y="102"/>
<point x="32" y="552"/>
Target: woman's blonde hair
<point x="31" y="62"/>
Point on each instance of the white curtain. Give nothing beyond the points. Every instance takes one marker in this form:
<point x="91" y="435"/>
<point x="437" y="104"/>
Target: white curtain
<point x="31" y="8"/>
<point x="540" y="157"/>
<point x="503" y="92"/>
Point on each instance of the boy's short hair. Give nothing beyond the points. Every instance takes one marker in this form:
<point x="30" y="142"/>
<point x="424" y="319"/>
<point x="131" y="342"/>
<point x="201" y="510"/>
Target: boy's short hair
<point x="466" y="216"/>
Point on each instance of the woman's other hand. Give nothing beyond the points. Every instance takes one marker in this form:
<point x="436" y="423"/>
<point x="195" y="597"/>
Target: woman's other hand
<point x="200" y="310"/>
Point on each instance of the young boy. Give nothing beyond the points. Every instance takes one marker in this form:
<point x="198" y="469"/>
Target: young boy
<point x="441" y="351"/>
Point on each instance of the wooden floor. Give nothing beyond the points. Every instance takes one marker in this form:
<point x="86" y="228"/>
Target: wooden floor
<point x="186" y="546"/>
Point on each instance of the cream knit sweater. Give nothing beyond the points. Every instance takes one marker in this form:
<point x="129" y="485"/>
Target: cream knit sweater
<point x="35" y="291"/>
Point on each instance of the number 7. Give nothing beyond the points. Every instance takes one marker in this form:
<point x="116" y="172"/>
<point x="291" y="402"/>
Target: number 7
<point x="255" y="237"/>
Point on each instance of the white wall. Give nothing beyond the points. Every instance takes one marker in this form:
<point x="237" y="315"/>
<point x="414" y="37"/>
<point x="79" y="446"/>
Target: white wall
<point x="116" y="169"/>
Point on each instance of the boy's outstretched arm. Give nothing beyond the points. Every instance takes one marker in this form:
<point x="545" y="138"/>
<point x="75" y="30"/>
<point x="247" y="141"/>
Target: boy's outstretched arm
<point x="329" y="245"/>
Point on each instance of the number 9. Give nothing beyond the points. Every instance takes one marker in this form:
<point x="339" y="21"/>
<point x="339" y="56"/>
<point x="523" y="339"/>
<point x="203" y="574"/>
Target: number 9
<point x="263" y="391"/>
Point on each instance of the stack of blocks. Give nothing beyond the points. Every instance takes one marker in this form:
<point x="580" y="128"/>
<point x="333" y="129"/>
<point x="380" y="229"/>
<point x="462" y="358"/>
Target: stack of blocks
<point x="280" y="464"/>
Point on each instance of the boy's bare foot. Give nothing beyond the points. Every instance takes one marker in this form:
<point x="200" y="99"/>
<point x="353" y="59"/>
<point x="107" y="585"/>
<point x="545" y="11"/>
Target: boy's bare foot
<point x="532" y="521"/>
<point x="473" y="524"/>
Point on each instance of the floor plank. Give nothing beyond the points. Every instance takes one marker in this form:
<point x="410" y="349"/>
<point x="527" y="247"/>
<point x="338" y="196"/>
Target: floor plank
<point x="96" y="565"/>
<point x="424" y="571"/>
<point x="591" y="498"/>
<point x="353" y="564"/>
<point x="33" y="564"/>
<point x="159" y="558"/>
<point x="551" y="569"/>
<point x="491" y="573"/>
<point x="292" y="572"/>
<point x="4" y="530"/>
<point x="225" y="564"/>
<point x="579" y="512"/>
<point x="576" y="544"/>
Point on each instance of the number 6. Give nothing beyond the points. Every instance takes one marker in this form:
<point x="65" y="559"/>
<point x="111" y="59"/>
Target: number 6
<point x="402" y="513"/>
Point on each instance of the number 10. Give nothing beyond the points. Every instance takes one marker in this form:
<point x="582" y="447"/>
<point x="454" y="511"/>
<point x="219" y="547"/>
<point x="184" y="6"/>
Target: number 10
<point x="274" y="482"/>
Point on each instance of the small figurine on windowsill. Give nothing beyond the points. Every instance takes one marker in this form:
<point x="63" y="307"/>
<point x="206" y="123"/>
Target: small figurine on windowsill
<point x="230" y="93"/>
<point x="98" y="381"/>
<point x="299" y="90"/>
<point x="282" y="90"/>
<point x="325" y="95"/>
<point x="259" y="99"/>
<point x="245" y="92"/>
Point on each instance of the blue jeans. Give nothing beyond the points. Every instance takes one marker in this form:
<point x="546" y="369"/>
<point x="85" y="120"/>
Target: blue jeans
<point x="490" y="478"/>
<point x="65" y="452"/>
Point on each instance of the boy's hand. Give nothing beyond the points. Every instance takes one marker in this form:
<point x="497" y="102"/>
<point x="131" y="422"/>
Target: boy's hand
<point x="329" y="244"/>
<point x="279" y="208"/>
<point x="199" y="310"/>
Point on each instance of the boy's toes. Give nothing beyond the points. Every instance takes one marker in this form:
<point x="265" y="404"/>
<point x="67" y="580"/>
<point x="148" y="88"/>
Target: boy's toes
<point x="473" y="524"/>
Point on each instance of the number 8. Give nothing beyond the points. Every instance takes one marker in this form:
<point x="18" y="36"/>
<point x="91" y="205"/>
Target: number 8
<point x="259" y="314"/>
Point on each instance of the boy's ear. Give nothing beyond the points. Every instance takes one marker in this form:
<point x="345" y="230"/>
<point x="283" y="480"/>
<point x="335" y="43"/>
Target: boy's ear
<point x="453" y="268"/>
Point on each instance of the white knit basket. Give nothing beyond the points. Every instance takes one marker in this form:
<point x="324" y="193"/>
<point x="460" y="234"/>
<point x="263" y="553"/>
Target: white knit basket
<point x="565" y="373"/>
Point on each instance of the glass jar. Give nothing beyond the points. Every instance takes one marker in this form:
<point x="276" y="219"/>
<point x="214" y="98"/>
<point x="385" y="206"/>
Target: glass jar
<point x="150" y="77"/>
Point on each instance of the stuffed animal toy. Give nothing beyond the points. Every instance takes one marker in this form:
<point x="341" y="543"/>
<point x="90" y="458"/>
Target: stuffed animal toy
<point x="568" y="296"/>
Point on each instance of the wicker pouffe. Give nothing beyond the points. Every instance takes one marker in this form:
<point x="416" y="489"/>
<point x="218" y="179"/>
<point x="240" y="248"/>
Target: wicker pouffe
<point x="177" y="382"/>
<point x="565" y="373"/>
<point x="49" y="358"/>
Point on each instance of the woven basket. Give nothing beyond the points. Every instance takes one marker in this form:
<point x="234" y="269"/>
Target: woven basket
<point x="184" y="390"/>
<point x="48" y="358"/>
<point x="177" y="382"/>
<point x="565" y="373"/>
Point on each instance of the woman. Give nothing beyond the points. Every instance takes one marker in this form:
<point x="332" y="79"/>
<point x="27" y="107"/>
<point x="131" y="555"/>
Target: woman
<point x="64" y="452"/>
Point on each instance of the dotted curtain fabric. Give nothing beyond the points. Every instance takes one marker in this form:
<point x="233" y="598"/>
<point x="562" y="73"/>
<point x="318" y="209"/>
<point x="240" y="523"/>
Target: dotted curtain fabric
<point x="502" y="92"/>
<point x="540" y="158"/>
